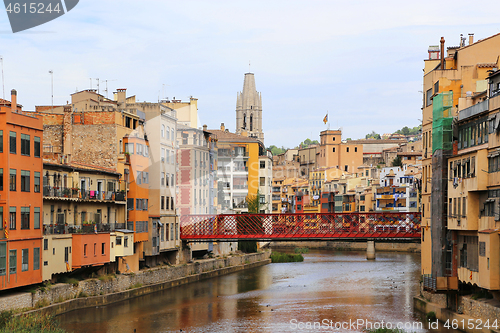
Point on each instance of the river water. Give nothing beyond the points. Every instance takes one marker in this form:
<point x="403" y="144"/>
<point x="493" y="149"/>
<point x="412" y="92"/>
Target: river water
<point x="333" y="289"/>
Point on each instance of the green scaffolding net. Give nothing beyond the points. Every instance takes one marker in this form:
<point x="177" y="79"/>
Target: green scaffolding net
<point x="442" y="120"/>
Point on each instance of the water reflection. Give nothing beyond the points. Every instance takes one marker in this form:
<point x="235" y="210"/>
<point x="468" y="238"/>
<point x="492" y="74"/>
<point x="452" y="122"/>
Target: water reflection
<point x="336" y="286"/>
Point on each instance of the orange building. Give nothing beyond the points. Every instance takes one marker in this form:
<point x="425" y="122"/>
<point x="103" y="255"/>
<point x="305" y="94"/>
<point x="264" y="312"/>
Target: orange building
<point x="332" y="152"/>
<point x="21" y="198"/>
<point x="137" y="155"/>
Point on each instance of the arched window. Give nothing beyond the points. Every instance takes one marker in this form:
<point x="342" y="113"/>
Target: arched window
<point x="162" y="131"/>
<point x="251" y="122"/>
<point x="168" y="133"/>
<point x="173" y="137"/>
<point x="244" y="121"/>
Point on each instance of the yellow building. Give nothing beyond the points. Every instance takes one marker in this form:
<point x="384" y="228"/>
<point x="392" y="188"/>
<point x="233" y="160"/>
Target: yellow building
<point x="238" y="169"/>
<point x="463" y="86"/>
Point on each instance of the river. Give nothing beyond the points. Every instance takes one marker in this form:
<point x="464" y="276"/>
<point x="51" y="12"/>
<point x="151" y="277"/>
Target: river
<point x="334" y="289"/>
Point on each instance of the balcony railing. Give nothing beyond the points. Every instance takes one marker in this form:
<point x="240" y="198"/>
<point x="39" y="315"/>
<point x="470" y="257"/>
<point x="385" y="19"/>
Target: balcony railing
<point x="65" y="192"/>
<point x="59" y="229"/>
<point x="473" y="110"/>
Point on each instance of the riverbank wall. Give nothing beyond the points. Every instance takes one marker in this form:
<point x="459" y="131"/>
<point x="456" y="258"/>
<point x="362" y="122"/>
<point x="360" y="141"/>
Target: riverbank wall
<point x="347" y="246"/>
<point x="471" y="316"/>
<point x="63" y="297"/>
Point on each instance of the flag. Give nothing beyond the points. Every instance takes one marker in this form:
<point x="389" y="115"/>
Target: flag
<point x="67" y="267"/>
<point x="325" y="120"/>
<point x="6" y="233"/>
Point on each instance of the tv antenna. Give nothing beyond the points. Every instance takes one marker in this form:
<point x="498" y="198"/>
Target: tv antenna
<point x="106" y="90"/>
<point x="3" y="82"/>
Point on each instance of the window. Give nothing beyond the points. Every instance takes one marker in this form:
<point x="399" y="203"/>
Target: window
<point x="162" y="202"/>
<point x="138" y="179"/>
<point x="333" y="149"/>
<point x="12" y="179"/>
<point x="1" y="218"/>
<point x="3" y="258"/>
<point x="25" y="145"/>
<point x="168" y="156"/>
<point x="36" y="258"/>
<point x="25" y="217"/>
<point x="361" y="208"/>
<point x="12" y="218"/>
<point x="37" y="182"/>
<point x="346" y="167"/>
<point x="36" y="217"/>
<point x="103" y="247"/>
<point x="162" y="182"/>
<point x="168" y="132"/>
<point x="84" y="250"/>
<point x="172" y="180"/>
<point x="464" y="207"/>
<point x="138" y="204"/>
<point x="25" y="260"/>
<point x="125" y="241"/>
<point x="162" y="131"/>
<point x="12" y="261"/>
<point x="95" y="249"/>
<point x="262" y="181"/>
<point x="347" y="149"/>
<point x="172" y="133"/>
<point x="1" y="141"/>
<point x="163" y="154"/>
<point x="145" y="177"/>
<point x="172" y="231"/>
<point x="172" y="203"/>
<point x="355" y="149"/>
<point x="167" y="202"/>
<point x="262" y="164"/>
<point x="36" y="146"/>
<point x="118" y="240"/>
<point x="167" y="182"/>
<point x="1" y="179"/>
<point x="428" y="97"/>
<point x="25" y="181"/>
<point x="130" y="203"/>
<point x="45" y="244"/>
<point x="13" y="142"/>
<point x="129" y="148"/>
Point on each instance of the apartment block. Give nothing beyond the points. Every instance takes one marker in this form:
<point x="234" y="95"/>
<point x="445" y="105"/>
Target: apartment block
<point x="21" y="203"/>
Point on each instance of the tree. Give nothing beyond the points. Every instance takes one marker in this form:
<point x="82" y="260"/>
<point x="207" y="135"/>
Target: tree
<point x="246" y="222"/>
<point x="373" y="135"/>
<point x="275" y="150"/>
<point x="307" y="142"/>
<point x="397" y="162"/>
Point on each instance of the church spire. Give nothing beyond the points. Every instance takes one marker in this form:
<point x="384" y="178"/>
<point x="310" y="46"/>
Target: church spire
<point x="249" y="109"/>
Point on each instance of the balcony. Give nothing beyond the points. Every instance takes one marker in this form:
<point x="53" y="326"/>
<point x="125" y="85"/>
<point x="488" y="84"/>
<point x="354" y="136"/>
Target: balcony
<point x="66" y="192"/>
<point x="473" y="110"/>
<point x="60" y="229"/>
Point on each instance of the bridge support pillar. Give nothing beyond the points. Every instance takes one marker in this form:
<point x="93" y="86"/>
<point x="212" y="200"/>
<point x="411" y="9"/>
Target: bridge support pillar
<point x="370" y="250"/>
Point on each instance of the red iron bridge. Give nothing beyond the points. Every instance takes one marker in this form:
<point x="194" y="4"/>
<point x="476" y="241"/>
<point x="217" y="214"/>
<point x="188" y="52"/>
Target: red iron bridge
<point x="302" y="227"/>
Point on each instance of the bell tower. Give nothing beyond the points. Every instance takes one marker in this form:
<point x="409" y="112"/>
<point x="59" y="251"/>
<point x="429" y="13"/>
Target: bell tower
<point x="249" y="109"/>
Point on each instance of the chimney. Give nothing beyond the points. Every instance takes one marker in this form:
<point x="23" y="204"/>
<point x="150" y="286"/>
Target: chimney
<point x="442" y="52"/>
<point x="13" y="100"/>
<point x="121" y="95"/>
<point x="67" y="130"/>
<point x="222" y="127"/>
<point x="205" y="128"/>
<point x="471" y="39"/>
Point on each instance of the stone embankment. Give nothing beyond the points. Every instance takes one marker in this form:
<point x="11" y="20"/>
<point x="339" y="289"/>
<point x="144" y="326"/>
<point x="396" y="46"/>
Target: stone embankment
<point x="348" y="246"/>
<point x="471" y="314"/>
<point x="64" y="297"/>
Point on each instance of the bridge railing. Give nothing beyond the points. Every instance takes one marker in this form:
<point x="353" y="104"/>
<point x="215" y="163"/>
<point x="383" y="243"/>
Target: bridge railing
<point x="296" y="226"/>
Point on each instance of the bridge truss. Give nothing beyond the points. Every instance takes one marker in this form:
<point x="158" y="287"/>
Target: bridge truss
<point x="287" y="227"/>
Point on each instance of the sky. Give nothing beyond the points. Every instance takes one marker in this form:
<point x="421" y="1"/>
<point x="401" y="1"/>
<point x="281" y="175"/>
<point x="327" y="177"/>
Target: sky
<point x="359" y="61"/>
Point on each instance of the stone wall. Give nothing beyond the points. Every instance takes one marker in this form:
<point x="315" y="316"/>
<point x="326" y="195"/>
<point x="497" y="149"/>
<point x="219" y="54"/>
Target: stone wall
<point x="148" y="280"/>
<point x="95" y="145"/>
<point x="348" y="246"/>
